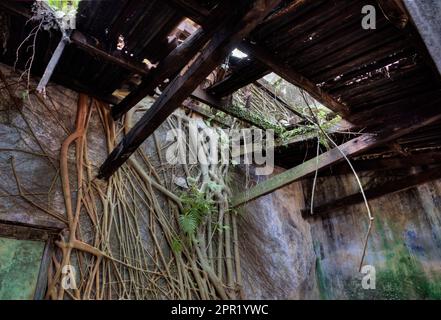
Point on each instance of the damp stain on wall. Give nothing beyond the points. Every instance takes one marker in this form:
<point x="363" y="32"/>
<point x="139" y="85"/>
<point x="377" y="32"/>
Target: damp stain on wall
<point x="19" y="267"/>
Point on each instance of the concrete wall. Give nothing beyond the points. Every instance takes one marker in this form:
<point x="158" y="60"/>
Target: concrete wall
<point x="276" y="247"/>
<point x="287" y="257"/>
<point x="36" y="161"/>
<point x="404" y="245"/>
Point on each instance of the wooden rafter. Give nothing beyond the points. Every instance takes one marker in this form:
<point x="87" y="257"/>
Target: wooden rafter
<point x="173" y="63"/>
<point x="294" y="77"/>
<point x="247" y="72"/>
<point x="233" y="29"/>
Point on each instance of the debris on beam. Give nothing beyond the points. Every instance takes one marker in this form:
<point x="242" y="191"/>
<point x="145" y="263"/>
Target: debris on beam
<point x="409" y="123"/>
<point x="94" y="48"/>
<point x="235" y="111"/>
<point x="279" y="99"/>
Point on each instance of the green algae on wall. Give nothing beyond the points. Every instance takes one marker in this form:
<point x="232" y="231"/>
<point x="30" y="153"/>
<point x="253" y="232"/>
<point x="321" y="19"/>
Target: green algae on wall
<point x="322" y="281"/>
<point x="400" y="270"/>
<point x="404" y="276"/>
<point x="19" y="267"/>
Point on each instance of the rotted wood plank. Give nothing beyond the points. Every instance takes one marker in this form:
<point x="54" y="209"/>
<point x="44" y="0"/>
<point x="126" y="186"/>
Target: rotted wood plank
<point x="173" y="63"/>
<point x="53" y="62"/>
<point x="233" y="29"/>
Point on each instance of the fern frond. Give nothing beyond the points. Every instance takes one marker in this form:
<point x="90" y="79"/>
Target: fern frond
<point x="188" y="223"/>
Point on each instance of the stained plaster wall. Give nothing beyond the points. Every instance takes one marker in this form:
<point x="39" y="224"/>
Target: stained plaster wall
<point x="37" y="163"/>
<point x="286" y="257"/>
<point x="404" y="245"/>
<point x="276" y="246"/>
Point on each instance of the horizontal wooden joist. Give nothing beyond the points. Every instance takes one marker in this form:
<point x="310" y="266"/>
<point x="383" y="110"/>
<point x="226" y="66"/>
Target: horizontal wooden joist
<point x="232" y="30"/>
<point x="235" y="111"/>
<point x="383" y="164"/>
<point x="389" y="187"/>
<point x="408" y="123"/>
<point x="192" y="106"/>
<point x="94" y="48"/>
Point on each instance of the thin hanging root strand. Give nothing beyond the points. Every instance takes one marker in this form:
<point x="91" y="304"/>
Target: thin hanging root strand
<point x="368" y="209"/>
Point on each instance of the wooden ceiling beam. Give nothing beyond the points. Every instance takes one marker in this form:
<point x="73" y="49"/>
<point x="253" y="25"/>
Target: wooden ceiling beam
<point x="383" y="164"/>
<point x="235" y="111"/>
<point x="409" y="122"/>
<point x="94" y="48"/>
<point x="389" y="187"/>
<point x="233" y="29"/>
<point x="292" y="76"/>
<point x="247" y="72"/>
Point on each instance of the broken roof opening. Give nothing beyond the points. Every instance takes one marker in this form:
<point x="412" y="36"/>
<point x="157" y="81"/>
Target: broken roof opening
<point x="183" y="31"/>
<point x="238" y="54"/>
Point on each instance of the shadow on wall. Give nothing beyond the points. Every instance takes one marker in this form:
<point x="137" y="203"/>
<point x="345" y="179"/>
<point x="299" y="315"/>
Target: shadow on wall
<point x="276" y="248"/>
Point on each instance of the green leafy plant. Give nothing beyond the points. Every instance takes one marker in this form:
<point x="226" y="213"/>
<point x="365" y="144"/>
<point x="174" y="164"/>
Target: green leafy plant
<point x="24" y="95"/>
<point x="63" y="5"/>
<point x="196" y="207"/>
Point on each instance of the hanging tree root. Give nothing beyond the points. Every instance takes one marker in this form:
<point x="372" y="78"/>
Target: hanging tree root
<point x="119" y="260"/>
<point x="123" y="238"/>
<point x="316" y="122"/>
